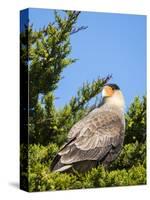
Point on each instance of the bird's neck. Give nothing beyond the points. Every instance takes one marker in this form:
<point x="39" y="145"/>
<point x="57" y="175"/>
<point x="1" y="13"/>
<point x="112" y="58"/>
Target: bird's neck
<point x="116" y="100"/>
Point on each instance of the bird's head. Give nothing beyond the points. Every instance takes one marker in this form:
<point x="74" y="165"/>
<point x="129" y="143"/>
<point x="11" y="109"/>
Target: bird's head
<point x="112" y="94"/>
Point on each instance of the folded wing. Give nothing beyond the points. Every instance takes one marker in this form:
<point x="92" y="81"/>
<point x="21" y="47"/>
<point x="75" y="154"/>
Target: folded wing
<point x="92" y="139"/>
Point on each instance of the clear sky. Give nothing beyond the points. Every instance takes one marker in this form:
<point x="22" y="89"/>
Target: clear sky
<point x="112" y="44"/>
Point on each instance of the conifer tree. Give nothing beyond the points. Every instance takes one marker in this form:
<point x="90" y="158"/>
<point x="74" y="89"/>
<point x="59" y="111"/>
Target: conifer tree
<point x="48" y="55"/>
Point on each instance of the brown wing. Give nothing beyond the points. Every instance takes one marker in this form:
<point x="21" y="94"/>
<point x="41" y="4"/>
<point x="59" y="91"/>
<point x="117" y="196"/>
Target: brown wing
<point x="80" y="124"/>
<point x="95" y="139"/>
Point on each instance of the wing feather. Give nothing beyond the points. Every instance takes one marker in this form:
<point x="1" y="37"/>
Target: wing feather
<point x="94" y="138"/>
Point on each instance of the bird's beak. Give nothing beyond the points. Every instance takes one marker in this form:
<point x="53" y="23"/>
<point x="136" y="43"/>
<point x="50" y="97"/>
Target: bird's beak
<point x="107" y="91"/>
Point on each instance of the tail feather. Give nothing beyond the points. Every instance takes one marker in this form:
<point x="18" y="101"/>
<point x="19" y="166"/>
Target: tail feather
<point x="57" y="166"/>
<point x="63" y="169"/>
<point x="56" y="163"/>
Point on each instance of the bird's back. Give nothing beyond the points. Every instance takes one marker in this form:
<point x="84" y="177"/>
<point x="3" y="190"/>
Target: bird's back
<point x="97" y="138"/>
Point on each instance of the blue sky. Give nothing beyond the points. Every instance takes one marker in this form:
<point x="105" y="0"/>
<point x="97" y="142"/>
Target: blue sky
<point x="112" y="44"/>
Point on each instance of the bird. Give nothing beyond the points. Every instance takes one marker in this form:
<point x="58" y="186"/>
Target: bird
<point x="96" y="139"/>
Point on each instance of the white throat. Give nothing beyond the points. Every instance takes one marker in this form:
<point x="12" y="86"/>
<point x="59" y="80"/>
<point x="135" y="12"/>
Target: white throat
<point x="116" y="99"/>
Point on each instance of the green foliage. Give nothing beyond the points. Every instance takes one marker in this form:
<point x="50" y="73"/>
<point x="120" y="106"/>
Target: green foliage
<point x="102" y="178"/>
<point x="128" y="169"/>
<point x="131" y="154"/>
<point x="136" y="121"/>
<point x="48" y="55"/>
<point x="49" y="50"/>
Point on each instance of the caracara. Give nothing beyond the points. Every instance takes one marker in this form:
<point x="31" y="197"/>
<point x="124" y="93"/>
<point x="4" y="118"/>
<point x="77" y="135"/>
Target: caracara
<point x="97" y="138"/>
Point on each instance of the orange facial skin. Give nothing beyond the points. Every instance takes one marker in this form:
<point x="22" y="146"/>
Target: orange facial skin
<point x="108" y="91"/>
